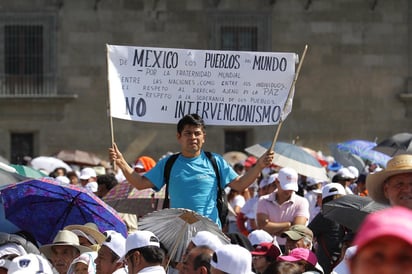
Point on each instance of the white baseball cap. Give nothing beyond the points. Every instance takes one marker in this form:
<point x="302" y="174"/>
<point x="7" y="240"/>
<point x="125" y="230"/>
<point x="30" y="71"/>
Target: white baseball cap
<point x="86" y="173"/>
<point x="115" y="242"/>
<point x="345" y="173"/>
<point x="141" y="238"/>
<point x="332" y="189"/>
<point x="354" y="171"/>
<point x="30" y="264"/>
<point x="63" y="179"/>
<point x="268" y="180"/>
<point x="258" y="236"/>
<point x="138" y="165"/>
<point x="313" y="181"/>
<point x="208" y="239"/>
<point x="288" y="179"/>
<point x="232" y="259"/>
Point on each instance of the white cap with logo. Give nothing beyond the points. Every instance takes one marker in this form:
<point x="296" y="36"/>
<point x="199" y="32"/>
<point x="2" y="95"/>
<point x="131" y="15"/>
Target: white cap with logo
<point x="30" y="264"/>
<point x="232" y="259"/>
<point x="332" y="189"/>
<point x="115" y="242"/>
<point x="208" y="239"/>
<point x="288" y="179"/>
<point x="141" y="238"/>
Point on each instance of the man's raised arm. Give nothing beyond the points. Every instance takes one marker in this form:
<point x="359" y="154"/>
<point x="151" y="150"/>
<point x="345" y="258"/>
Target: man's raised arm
<point x="134" y="178"/>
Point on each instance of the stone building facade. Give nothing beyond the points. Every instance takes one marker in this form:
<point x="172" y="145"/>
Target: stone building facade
<point x="354" y="83"/>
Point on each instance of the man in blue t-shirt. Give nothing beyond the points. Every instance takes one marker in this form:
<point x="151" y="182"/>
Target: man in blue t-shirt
<point x="192" y="182"/>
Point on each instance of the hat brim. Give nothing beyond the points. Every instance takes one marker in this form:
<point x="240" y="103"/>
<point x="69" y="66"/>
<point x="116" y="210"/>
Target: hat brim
<point x="289" y="186"/>
<point x="97" y="235"/>
<point x="374" y="183"/>
<point x="259" y="253"/>
<point x="292" y="235"/>
<point x="287" y="258"/>
<point x="47" y="249"/>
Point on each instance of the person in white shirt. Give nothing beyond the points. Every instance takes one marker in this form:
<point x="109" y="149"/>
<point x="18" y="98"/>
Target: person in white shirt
<point x="143" y="253"/>
<point x="88" y="179"/>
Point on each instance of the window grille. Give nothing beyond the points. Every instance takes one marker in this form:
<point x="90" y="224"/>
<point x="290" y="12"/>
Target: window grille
<point x="235" y="140"/>
<point x="27" y="56"/>
<point x="239" y="31"/>
<point x="239" y="38"/>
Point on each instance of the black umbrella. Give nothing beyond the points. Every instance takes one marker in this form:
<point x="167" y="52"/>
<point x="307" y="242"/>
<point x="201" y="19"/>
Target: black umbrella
<point x="350" y="210"/>
<point x="400" y="143"/>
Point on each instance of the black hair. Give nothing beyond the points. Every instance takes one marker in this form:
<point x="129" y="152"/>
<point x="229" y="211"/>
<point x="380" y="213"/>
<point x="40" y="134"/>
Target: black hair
<point x="361" y="178"/>
<point x="204" y="258"/>
<point x="238" y="167"/>
<point x="283" y="267"/>
<point x="151" y="254"/>
<point x="214" y="259"/>
<point x="240" y="239"/>
<point x="109" y="180"/>
<point x="190" y="119"/>
<point x="71" y="173"/>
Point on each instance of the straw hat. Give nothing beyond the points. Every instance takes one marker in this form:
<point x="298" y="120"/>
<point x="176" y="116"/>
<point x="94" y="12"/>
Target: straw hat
<point x="90" y="229"/>
<point x="374" y="181"/>
<point x="64" y="237"/>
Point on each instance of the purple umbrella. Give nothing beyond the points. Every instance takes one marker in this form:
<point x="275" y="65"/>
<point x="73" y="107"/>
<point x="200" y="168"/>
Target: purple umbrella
<point x="45" y="206"/>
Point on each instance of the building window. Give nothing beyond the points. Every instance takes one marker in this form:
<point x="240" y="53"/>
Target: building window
<point x="235" y="140"/>
<point x="239" y="38"/>
<point x="23" y="47"/>
<point x="22" y="145"/>
<point x="27" y="52"/>
<point x="239" y="31"/>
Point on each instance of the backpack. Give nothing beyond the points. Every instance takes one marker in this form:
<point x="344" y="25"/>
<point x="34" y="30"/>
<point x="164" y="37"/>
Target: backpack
<point x="221" y="202"/>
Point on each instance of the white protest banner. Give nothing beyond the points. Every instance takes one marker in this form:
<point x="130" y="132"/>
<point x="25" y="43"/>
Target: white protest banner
<point x="231" y="88"/>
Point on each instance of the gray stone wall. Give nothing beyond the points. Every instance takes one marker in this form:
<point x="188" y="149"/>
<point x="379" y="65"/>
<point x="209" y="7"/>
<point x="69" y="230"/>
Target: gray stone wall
<point x="357" y="65"/>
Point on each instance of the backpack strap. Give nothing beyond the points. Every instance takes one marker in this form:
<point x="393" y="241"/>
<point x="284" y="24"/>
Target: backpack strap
<point x="168" y="167"/>
<point x="215" y="168"/>
<point x="166" y="174"/>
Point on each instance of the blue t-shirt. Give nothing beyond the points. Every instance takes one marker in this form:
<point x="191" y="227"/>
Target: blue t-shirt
<point x="193" y="183"/>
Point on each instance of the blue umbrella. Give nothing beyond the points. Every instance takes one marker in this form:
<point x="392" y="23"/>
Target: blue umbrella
<point x="375" y="157"/>
<point x="8" y="176"/>
<point x="290" y="155"/>
<point x="362" y="149"/>
<point x="346" y="158"/>
<point x="356" y="146"/>
<point x="44" y="206"/>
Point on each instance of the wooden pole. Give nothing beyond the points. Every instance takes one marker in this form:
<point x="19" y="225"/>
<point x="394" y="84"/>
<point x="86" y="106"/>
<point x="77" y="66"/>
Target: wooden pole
<point x="275" y="137"/>
<point x="108" y="104"/>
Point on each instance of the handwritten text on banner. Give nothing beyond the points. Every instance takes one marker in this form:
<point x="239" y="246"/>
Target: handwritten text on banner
<point x="230" y="88"/>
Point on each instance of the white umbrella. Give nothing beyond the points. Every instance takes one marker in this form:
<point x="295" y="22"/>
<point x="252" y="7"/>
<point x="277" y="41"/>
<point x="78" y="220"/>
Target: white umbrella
<point x="4" y="160"/>
<point x="234" y="157"/>
<point x="175" y="227"/>
<point x="289" y="155"/>
<point x="49" y="164"/>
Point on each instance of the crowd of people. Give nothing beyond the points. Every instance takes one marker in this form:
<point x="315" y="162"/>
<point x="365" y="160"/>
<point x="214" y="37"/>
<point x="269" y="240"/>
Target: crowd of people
<point x="275" y="222"/>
